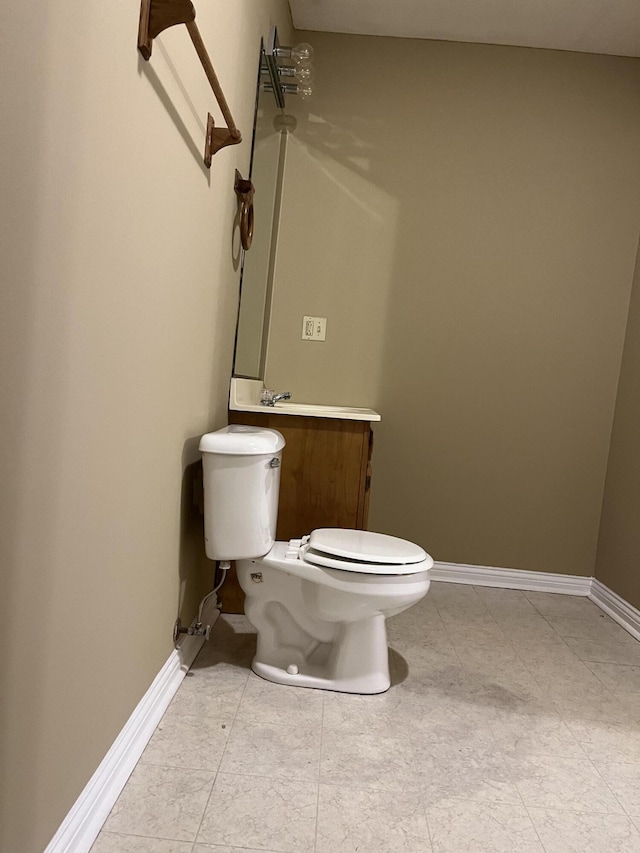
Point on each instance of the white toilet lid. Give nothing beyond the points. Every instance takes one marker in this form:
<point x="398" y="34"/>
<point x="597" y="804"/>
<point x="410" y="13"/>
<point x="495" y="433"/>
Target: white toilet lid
<point x="365" y="546"/>
<point x="365" y="552"/>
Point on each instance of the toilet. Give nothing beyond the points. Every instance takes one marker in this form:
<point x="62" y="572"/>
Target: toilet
<point x="318" y="603"/>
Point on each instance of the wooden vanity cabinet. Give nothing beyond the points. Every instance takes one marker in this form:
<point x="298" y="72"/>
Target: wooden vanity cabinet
<point x="324" y="479"/>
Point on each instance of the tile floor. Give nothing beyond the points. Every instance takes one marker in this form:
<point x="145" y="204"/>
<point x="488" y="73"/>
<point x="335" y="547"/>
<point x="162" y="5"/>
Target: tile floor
<point x="512" y="725"/>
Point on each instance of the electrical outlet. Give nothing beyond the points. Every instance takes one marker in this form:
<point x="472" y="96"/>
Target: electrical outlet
<point x="314" y="328"/>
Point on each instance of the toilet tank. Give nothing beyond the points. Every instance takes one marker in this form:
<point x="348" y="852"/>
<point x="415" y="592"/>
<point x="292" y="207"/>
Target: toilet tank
<point x="241" y="466"/>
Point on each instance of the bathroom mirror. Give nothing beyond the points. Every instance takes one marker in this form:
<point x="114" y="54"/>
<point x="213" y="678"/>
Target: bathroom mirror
<point x="256" y="278"/>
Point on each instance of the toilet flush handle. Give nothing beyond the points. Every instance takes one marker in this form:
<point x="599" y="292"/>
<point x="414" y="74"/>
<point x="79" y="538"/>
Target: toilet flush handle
<point x="274" y="463"/>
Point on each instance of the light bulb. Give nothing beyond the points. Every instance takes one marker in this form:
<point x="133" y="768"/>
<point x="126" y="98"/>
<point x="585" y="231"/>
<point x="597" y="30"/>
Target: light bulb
<point x="303" y="73"/>
<point x="305" y="91"/>
<point x="302" y="52"/>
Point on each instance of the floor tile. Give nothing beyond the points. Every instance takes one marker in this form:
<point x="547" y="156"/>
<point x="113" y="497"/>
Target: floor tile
<point x="393" y="711"/>
<point x="622" y="651"/>
<point x="556" y="668"/>
<point x="460" y="704"/>
<point x="352" y="820"/>
<point x="115" y="842"/>
<point x="621" y="677"/>
<point x="472" y="774"/>
<point x="267" y="814"/>
<point x="488" y="658"/>
<point x="603" y="741"/>
<point x="425" y="610"/>
<point x="509" y="686"/>
<point x="424" y="658"/>
<point x="161" y="802"/>
<point x="224" y="848"/>
<point x="458" y="825"/>
<point x="508" y="607"/>
<point x="630" y="702"/>
<point x="555" y="605"/>
<point x="572" y="832"/>
<point x="184" y="740"/>
<point x="262" y="749"/>
<point x="414" y="634"/>
<point x="497" y="597"/>
<point x="537" y="732"/>
<point x="467" y="633"/>
<point x="598" y="626"/>
<point x="590" y="701"/>
<point x="531" y="628"/>
<point x="370" y="761"/>
<point x="443" y="679"/>
<point x="456" y="593"/>
<point x="416" y="623"/>
<point x="211" y="691"/>
<point x="539" y="657"/>
<point x="564" y="783"/>
<point x="624" y="781"/>
<point x="454" y="722"/>
<point x="262" y="702"/>
<point x="456" y="600"/>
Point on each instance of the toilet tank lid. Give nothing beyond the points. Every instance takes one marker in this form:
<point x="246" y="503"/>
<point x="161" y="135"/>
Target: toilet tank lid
<point x="365" y="546"/>
<point x="240" y="440"/>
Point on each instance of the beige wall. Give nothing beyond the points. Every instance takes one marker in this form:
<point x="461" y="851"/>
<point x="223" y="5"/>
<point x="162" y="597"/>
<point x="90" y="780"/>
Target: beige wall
<point x="119" y="299"/>
<point x="619" y="543"/>
<point x="467" y="218"/>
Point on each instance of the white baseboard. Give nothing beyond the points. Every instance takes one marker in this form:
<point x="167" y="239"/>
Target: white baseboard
<point x="81" y="826"/>
<point x="511" y="578"/>
<point x="620" y="610"/>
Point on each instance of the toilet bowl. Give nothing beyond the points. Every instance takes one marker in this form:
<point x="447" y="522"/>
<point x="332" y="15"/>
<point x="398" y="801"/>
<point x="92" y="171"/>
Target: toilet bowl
<point x="319" y="603"/>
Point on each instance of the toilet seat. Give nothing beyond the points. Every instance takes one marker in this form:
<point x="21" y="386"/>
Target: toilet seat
<point x="361" y="551"/>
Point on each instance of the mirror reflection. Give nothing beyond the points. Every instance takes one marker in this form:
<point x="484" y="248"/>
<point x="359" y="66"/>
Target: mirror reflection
<point x="267" y="164"/>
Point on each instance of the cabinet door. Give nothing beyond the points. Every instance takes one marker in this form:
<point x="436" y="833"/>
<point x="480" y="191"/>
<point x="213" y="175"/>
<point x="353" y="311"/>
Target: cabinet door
<point x="322" y="476"/>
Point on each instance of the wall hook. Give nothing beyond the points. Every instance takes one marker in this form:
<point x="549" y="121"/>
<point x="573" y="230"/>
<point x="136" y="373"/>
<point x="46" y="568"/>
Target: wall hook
<point x="158" y="15"/>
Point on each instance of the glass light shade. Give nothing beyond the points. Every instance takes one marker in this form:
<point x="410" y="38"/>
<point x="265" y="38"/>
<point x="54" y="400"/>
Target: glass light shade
<point x="305" y="91"/>
<point x="302" y="52"/>
<point x="303" y="73"/>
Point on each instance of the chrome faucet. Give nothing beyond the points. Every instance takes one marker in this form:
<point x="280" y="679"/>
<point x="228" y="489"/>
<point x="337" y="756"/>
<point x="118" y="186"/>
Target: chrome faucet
<point x="270" y="398"/>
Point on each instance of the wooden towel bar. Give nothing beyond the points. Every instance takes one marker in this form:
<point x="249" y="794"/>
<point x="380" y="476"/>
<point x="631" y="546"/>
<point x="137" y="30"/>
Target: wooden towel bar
<point x="158" y="15"/>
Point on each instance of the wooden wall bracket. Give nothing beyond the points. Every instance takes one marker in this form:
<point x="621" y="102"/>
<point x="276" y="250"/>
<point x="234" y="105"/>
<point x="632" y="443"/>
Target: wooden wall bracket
<point x="158" y="15"/>
<point x="216" y="138"/>
<point x="245" y="191"/>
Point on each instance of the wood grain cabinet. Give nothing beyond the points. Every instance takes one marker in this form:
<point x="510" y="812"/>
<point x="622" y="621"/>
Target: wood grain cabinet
<point x="324" y="482"/>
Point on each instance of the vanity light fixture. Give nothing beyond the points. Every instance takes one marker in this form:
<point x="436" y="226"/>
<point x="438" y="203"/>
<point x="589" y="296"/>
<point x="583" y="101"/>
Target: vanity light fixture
<point x="298" y="70"/>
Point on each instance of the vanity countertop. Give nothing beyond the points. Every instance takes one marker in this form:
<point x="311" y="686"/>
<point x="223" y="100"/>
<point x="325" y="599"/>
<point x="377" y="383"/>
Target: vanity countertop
<point x="245" y="396"/>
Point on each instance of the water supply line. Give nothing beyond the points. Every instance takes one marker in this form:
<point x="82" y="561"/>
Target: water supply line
<point x="197" y="629"/>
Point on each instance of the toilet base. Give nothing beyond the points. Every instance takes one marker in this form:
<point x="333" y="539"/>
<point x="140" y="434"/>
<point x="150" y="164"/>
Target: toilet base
<point x="323" y="628"/>
<point x="370" y="684"/>
<point x="356" y="661"/>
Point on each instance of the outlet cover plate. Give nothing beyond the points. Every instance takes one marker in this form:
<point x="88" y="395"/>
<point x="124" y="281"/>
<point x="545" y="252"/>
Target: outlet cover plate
<point x="314" y="328"/>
